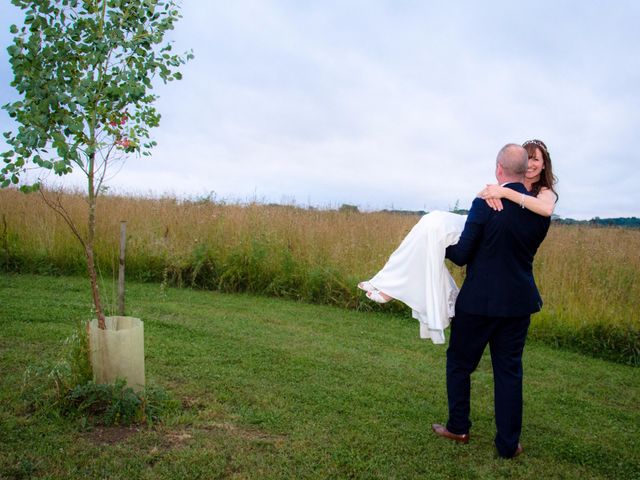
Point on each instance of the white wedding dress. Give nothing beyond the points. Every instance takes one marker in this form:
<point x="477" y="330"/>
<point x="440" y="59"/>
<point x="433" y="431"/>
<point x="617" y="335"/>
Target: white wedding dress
<point x="416" y="274"/>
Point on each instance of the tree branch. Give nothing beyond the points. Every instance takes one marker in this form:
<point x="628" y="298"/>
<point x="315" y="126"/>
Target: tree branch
<point x="58" y="207"/>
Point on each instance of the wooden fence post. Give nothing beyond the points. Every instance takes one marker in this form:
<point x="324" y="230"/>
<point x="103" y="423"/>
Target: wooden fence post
<point x="123" y="242"/>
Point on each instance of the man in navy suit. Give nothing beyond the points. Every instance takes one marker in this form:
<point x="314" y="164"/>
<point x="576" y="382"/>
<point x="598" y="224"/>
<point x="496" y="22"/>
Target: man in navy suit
<point x="494" y="305"/>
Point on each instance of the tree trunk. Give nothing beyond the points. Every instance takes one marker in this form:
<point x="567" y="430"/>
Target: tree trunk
<point x="94" y="285"/>
<point x="91" y="233"/>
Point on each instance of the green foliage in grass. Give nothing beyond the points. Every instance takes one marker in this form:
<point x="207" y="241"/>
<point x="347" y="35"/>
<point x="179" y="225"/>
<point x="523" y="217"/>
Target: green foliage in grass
<point x="618" y="343"/>
<point x="45" y="387"/>
<point x="117" y="404"/>
<point x="65" y="388"/>
<point x="275" y="389"/>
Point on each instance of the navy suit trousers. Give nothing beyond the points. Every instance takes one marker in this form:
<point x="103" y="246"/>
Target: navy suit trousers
<point x="506" y="338"/>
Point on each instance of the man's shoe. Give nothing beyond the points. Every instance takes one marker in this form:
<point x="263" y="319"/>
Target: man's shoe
<point x="518" y="451"/>
<point x="443" y="432"/>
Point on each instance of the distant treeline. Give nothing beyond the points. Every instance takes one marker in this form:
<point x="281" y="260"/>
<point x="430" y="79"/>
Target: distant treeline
<point x="622" y="222"/>
<point x="625" y="222"/>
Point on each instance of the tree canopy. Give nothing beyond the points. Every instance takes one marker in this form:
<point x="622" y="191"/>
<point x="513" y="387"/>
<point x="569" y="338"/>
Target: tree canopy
<point x="84" y="71"/>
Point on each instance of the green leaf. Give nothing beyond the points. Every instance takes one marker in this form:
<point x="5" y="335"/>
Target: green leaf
<point x="13" y="50"/>
<point x="60" y="167"/>
<point x="30" y="188"/>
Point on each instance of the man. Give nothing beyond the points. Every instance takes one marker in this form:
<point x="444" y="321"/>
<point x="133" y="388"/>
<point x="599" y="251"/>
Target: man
<point x="494" y="305"/>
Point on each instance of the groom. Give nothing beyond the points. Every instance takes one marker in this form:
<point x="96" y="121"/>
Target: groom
<point x="494" y="305"/>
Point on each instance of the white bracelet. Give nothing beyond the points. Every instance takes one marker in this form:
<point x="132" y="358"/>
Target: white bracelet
<point x="522" y="201"/>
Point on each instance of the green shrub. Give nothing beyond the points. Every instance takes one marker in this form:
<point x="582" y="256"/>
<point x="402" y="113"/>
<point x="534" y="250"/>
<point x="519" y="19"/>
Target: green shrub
<point x="66" y="389"/>
<point x="618" y="342"/>
<point x="116" y="404"/>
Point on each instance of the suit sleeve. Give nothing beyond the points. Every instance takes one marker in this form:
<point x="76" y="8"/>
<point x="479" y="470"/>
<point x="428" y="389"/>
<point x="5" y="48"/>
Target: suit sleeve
<point x="462" y="252"/>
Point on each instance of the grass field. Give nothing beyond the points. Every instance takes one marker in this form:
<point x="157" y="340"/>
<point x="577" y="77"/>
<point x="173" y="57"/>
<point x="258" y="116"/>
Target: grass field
<point x="589" y="277"/>
<point x="273" y="388"/>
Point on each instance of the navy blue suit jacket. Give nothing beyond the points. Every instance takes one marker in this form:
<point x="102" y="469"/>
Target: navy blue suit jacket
<point x="498" y="249"/>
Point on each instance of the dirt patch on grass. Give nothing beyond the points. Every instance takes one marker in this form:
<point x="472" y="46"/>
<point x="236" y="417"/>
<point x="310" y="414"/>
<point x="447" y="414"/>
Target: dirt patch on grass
<point x="192" y="403"/>
<point x="177" y="439"/>
<point x="244" y="433"/>
<point x="110" y="435"/>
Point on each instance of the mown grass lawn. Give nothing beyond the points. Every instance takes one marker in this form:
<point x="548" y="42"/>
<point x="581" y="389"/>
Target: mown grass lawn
<point x="276" y="389"/>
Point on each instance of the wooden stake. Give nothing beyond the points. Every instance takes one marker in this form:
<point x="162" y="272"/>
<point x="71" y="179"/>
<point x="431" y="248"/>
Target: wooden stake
<point x="123" y="242"/>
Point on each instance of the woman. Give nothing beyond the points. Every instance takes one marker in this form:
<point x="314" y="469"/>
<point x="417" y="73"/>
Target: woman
<point x="415" y="273"/>
<point x="539" y="180"/>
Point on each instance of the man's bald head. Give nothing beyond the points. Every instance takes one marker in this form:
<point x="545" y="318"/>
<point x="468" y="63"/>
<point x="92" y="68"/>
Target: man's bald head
<point x="511" y="163"/>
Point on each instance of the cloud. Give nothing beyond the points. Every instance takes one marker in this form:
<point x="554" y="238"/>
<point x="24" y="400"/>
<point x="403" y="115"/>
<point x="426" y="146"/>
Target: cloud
<point x="400" y="104"/>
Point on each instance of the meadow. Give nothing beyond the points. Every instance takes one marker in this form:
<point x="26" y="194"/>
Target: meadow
<point x="589" y="277"/>
<point x="269" y="388"/>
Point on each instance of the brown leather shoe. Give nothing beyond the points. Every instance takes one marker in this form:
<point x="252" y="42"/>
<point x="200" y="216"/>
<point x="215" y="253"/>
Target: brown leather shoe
<point x="518" y="451"/>
<point x="443" y="432"/>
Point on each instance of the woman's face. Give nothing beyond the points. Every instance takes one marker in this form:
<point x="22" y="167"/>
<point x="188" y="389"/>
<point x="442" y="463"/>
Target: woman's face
<point x="535" y="166"/>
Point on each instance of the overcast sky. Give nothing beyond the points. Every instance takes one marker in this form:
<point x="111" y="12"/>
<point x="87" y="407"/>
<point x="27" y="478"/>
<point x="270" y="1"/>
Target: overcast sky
<point x="392" y="104"/>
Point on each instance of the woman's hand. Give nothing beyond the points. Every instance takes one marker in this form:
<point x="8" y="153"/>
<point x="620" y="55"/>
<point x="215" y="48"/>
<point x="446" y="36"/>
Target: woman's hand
<point x="492" y="194"/>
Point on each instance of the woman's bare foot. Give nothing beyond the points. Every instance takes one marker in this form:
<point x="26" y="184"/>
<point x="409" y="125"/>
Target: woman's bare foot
<point x="378" y="296"/>
<point x="366" y="286"/>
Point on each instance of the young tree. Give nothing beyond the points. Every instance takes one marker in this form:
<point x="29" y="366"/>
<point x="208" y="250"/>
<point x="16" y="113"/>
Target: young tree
<point x="84" y="72"/>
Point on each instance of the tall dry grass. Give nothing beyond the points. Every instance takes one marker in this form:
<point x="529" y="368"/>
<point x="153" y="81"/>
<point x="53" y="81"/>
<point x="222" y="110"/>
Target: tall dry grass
<point x="589" y="277"/>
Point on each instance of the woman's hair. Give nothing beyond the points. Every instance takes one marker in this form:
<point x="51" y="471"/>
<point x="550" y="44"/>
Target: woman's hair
<point x="547" y="178"/>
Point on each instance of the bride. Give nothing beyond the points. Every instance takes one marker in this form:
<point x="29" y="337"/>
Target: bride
<point x="416" y="274"/>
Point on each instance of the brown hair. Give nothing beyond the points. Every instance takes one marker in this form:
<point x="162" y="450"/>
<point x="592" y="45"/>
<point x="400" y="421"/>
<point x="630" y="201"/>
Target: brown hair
<point x="547" y="178"/>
